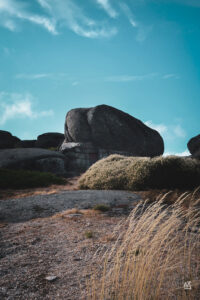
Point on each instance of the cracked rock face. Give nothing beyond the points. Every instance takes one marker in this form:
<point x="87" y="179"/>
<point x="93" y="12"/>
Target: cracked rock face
<point x="106" y="127"/>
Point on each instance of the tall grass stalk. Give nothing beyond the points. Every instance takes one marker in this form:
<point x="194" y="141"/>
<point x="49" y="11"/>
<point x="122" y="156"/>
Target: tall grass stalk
<point x="156" y="251"/>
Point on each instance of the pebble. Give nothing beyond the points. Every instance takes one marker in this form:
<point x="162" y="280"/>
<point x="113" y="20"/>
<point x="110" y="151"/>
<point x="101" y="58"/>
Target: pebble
<point x="51" y="278"/>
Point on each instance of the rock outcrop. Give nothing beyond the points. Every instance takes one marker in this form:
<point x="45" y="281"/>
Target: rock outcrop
<point x="33" y="159"/>
<point x="194" y="146"/>
<point x="26" y="144"/>
<point x="49" y="139"/>
<point x="109" y="128"/>
<point x="7" y="140"/>
<point x="94" y="133"/>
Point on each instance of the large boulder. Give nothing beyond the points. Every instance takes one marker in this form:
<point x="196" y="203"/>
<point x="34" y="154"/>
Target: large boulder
<point x="49" y="139"/>
<point x="33" y="159"/>
<point x="109" y="128"/>
<point x="7" y="140"/>
<point x="94" y="133"/>
<point x="194" y="145"/>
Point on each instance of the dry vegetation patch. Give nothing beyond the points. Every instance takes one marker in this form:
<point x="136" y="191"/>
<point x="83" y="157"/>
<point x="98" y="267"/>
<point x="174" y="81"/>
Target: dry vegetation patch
<point x="142" y="173"/>
<point x="156" y="252"/>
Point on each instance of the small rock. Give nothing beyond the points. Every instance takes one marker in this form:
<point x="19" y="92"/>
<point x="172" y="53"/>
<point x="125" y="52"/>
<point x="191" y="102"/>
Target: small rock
<point x="51" y="278"/>
<point x="77" y="258"/>
<point x="74" y="215"/>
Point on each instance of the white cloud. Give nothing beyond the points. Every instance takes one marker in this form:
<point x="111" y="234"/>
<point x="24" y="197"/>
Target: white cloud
<point x="161" y="128"/>
<point x="56" y="15"/>
<point x="179" y="131"/>
<point x="169" y="132"/>
<point x="128" y="78"/>
<point x="105" y="4"/>
<point x="12" y="10"/>
<point x="15" y="105"/>
<point x="184" y="153"/>
<point x="67" y="13"/>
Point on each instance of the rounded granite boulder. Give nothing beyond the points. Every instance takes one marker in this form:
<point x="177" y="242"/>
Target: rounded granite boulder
<point x="49" y="139"/>
<point x="109" y="128"/>
<point x="194" y="145"/>
<point x="7" y="140"/>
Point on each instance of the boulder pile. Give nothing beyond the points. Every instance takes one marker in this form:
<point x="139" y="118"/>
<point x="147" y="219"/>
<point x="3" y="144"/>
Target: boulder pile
<point x="90" y="135"/>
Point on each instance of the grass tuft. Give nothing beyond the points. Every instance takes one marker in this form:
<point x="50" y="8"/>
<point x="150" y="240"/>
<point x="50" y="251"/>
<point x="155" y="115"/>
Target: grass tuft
<point x="142" y="173"/>
<point x="156" y="251"/>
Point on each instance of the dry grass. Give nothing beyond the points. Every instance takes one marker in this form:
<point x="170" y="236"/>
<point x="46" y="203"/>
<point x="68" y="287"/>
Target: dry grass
<point x="76" y="211"/>
<point x="155" y="253"/>
<point x="142" y="173"/>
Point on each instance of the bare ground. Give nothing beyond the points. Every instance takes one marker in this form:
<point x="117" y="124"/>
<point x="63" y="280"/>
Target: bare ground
<point x="40" y="237"/>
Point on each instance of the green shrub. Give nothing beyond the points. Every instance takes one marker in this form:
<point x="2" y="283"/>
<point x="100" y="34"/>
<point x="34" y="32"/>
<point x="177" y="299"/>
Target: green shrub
<point x="89" y="234"/>
<point x="20" y="179"/>
<point x="142" y="173"/>
<point x="101" y="207"/>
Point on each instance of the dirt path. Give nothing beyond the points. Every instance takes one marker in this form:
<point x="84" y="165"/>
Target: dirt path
<point x="40" y="238"/>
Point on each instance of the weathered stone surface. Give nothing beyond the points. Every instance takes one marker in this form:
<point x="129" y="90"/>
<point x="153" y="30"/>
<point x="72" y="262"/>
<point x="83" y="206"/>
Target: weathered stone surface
<point x="94" y="133"/>
<point x="109" y="128"/>
<point x="33" y="159"/>
<point x="26" y="144"/>
<point x="194" y="145"/>
<point x="49" y="139"/>
<point x="80" y="156"/>
<point x="7" y="140"/>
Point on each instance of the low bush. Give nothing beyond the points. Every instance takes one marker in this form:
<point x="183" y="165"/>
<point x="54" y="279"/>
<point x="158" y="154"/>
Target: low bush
<point x="21" y="179"/>
<point x="142" y="173"/>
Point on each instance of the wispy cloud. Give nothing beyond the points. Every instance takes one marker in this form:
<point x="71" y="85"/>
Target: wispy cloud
<point x="161" y="128"/>
<point x="33" y="76"/>
<point x="179" y="131"/>
<point x="169" y="132"/>
<point x="54" y="16"/>
<point x="11" y="11"/>
<point x="14" y="105"/>
<point x="171" y="76"/>
<point x="129" y="78"/>
<point x="106" y="5"/>
<point x="124" y="7"/>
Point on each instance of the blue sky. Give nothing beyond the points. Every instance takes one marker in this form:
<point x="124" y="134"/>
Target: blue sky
<point x="140" y="56"/>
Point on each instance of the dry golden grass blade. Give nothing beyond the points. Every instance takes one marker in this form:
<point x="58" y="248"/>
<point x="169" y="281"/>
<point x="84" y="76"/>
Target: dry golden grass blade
<point x="155" y="254"/>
